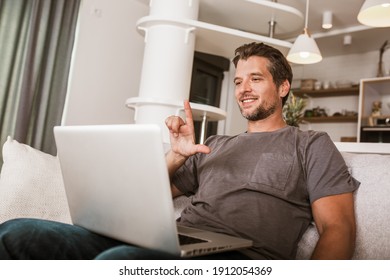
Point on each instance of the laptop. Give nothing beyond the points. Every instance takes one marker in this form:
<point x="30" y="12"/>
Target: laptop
<point x="117" y="184"/>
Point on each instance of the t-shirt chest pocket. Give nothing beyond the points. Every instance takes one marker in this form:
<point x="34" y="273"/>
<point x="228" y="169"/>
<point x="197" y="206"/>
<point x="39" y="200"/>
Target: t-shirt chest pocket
<point x="272" y="170"/>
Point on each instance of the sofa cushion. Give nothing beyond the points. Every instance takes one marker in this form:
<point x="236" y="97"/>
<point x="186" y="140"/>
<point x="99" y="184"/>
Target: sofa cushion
<point x="31" y="185"/>
<point x="372" y="204"/>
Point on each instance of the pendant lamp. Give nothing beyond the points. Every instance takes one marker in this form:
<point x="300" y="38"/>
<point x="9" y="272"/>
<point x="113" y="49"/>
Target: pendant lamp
<point x="375" y="13"/>
<point x="304" y="49"/>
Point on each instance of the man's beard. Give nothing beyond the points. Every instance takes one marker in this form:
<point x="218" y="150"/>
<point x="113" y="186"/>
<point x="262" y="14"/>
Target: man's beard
<point x="260" y="113"/>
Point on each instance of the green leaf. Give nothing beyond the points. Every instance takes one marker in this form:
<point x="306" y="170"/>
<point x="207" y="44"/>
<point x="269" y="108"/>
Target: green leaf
<point x="293" y="110"/>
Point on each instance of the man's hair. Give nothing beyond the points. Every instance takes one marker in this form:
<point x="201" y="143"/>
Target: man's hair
<point x="278" y="65"/>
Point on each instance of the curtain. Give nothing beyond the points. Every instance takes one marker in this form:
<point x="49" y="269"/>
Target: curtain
<point x="36" y="40"/>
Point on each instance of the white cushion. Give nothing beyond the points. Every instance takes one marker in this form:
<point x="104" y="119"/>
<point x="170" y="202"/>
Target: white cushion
<point x="372" y="204"/>
<point x="31" y="185"/>
<point x="180" y="203"/>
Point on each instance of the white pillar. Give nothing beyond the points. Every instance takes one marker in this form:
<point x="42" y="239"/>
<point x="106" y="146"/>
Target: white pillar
<point x="168" y="58"/>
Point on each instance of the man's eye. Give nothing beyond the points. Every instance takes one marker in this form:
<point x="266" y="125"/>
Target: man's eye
<point x="237" y="83"/>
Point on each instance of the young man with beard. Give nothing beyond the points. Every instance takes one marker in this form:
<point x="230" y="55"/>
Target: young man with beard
<point x="266" y="184"/>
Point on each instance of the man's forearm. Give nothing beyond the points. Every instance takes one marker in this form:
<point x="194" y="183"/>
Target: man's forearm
<point x="335" y="244"/>
<point x="174" y="161"/>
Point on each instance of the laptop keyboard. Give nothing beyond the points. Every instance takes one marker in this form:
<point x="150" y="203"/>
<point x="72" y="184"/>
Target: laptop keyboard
<point x="185" y="240"/>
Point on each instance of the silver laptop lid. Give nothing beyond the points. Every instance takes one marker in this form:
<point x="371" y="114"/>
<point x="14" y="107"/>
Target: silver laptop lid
<point x="101" y="165"/>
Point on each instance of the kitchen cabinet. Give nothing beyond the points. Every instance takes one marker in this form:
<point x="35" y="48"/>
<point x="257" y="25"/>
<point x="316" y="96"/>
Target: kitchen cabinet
<point x="374" y="127"/>
<point x="329" y="93"/>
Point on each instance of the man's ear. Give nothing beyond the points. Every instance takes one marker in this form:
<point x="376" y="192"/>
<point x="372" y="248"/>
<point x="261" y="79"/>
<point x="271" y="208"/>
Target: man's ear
<point x="284" y="88"/>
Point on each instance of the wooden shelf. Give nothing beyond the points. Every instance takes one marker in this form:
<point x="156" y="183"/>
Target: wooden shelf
<point x="330" y="119"/>
<point x="327" y="92"/>
<point x="376" y="128"/>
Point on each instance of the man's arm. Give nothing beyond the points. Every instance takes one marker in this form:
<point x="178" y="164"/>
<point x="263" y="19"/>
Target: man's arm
<point x="182" y="137"/>
<point x="335" y="219"/>
<point x="174" y="161"/>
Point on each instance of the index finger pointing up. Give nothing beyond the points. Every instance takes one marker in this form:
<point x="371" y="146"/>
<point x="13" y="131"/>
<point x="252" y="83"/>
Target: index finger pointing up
<point x="188" y="112"/>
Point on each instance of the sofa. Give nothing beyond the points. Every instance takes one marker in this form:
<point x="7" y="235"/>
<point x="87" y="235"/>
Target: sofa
<point x="31" y="186"/>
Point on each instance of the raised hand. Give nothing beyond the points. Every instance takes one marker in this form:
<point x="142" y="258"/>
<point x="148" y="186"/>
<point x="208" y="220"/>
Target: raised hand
<point x="182" y="134"/>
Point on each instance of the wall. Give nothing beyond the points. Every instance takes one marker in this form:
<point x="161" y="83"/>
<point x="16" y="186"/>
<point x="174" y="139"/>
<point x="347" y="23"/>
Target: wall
<point x="349" y="67"/>
<point x="106" y="63"/>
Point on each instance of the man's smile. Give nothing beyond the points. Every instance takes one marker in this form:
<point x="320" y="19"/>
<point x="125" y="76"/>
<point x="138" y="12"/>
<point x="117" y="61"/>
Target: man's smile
<point x="248" y="100"/>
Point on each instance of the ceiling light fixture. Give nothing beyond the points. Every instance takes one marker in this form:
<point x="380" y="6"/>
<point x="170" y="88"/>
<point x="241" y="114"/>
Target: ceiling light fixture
<point x="304" y="49"/>
<point x="347" y="40"/>
<point x="327" y="20"/>
<point x="375" y="13"/>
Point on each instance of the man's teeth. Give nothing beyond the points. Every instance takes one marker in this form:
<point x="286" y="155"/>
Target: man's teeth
<point x="248" y="100"/>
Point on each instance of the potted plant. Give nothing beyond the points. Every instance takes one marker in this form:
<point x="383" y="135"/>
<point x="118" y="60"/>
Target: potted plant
<point x="293" y="110"/>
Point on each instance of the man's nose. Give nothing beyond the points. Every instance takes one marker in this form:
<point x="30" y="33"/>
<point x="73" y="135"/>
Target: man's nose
<point x="245" y="86"/>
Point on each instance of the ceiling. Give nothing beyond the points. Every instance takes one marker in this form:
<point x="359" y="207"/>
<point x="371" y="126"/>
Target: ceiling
<point x="289" y="25"/>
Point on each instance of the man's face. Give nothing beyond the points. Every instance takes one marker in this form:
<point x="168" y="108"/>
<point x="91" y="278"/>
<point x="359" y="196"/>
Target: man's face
<point x="255" y="91"/>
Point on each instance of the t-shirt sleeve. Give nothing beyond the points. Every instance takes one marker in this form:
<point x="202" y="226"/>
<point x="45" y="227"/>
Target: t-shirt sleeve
<point x="185" y="178"/>
<point x="326" y="171"/>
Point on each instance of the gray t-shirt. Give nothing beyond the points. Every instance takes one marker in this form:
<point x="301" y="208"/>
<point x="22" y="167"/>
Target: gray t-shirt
<point x="260" y="186"/>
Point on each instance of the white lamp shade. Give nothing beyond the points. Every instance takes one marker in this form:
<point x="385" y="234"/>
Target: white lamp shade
<point x="304" y="51"/>
<point x="375" y="13"/>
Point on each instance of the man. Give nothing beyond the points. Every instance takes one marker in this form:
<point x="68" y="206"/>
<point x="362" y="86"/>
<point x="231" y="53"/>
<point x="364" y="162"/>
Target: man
<point x="266" y="184"/>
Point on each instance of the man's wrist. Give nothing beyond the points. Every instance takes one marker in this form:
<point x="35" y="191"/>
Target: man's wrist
<point x="176" y="158"/>
<point x="174" y="161"/>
